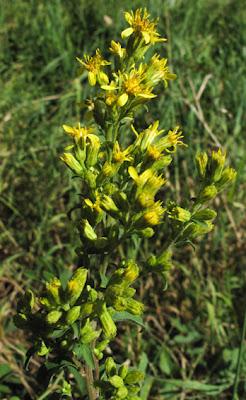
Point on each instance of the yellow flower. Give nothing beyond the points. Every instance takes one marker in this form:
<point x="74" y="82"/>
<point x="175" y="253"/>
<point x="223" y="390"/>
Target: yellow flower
<point x="79" y="132"/>
<point x="154" y="214"/>
<point x="141" y="26"/>
<point x="133" y="84"/>
<point x="119" y="156"/>
<point x="158" y="70"/>
<point x="94" y="65"/>
<point x="172" y="140"/>
<point x="117" y="49"/>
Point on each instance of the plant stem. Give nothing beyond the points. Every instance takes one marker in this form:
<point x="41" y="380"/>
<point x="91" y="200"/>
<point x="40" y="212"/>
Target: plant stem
<point x="92" y="393"/>
<point x="240" y="354"/>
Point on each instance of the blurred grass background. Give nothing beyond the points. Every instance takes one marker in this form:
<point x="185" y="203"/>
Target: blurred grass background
<point x="190" y="349"/>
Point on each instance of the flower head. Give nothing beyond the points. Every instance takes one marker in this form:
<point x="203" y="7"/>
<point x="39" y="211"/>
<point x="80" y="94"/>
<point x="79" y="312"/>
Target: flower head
<point x="171" y="140"/>
<point x="117" y="49"/>
<point x="94" y="65"/>
<point x="141" y="26"/>
<point x="159" y="71"/>
<point x="79" y="132"/>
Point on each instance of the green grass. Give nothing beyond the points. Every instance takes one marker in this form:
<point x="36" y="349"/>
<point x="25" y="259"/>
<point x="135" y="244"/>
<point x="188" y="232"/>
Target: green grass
<point x="190" y="349"/>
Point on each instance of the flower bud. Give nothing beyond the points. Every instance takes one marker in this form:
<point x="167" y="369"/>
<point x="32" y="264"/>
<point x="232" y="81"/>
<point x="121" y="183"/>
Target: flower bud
<point x="179" y="214"/>
<point x="201" y="163"/>
<point x="102" y="345"/>
<point x="72" y="315"/>
<point x="87" y="230"/>
<point x="41" y="348"/>
<point x="72" y="163"/>
<point x="131" y="271"/>
<point x="86" y="310"/>
<point x="53" y="289"/>
<point x="108" y="325"/>
<point x="147" y="232"/>
<point x="208" y="193"/>
<point x="88" y="333"/>
<point x="123" y="371"/>
<point x="110" y="366"/>
<point x="129" y="292"/>
<point x="108" y="205"/>
<point x="116" y="381"/>
<point x="122" y="99"/>
<point x="215" y="165"/>
<point x="134" y="376"/>
<point x="227" y="176"/>
<point x="92" y="294"/>
<point x="164" y="261"/>
<point x="119" y="304"/>
<point x="92" y="150"/>
<point x="204" y="215"/>
<point x="76" y="285"/>
<point x="53" y="317"/>
<point x="122" y="393"/>
<point x="135" y="307"/>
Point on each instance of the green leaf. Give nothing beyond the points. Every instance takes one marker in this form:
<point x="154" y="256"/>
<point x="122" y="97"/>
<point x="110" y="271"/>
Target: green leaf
<point x="146" y="387"/>
<point x="143" y="363"/>
<point x="126" y="316"/>
<point x="4" y="370"/>
<point x="165" y="362"/>
<point x="79" y="379"/>
<point x="84" y="352"/>
<point x="4" y="389"/>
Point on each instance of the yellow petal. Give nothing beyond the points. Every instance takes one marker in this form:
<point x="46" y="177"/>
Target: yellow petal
<point x="127" y="32"/>
<point x="68" y="129"/>
<point x="122" y="99"/>
<point x="92" y="78"/>
<point x="146" y="37"/>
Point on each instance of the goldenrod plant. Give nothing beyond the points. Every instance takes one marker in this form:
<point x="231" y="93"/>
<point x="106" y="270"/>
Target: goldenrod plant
<point x="122" y="172"/>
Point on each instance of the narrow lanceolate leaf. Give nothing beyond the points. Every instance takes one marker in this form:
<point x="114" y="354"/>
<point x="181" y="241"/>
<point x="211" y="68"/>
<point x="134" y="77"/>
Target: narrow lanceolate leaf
<point x="84" y="352"/>
<point x="126" y="316"/>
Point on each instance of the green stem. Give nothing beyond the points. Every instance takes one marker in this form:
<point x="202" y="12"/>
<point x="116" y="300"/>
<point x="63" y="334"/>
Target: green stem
<point x="239" y="360"/>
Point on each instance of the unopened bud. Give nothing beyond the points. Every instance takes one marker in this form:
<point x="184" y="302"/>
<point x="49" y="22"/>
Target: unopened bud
<point x="92" y="150"/>
<point x="116" y="381"/>
<point x="122" y="393"/>
<point x="110" y="366"/>
<point x="109" y="327"/>
<point x="131" y="271"/>
<point x="215" y="165"/>
<point x="76" y="285"/>
<point x="87" y="230"/>
<point x="72" y="315"/>
<point x="123" y="371"/>
<point x="122" y="100"/>
<point x="201" y="163"/>
<point x="135" y="307"/>
<point x="53" y="317"/>
<point x="208" y="193"/>
<point x="53" y="290"/>
<point x="179" y="214"/>
<point x="42" y="349"/>
<point x="227" y="176"/>
<point x="72" y="163"/>
<point x="88" y="333"/>
<point x="204" y="215"/>
<point x="134" y="376"/>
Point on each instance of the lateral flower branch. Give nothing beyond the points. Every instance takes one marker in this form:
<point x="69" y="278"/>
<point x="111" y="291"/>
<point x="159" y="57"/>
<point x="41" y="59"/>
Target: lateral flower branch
<point x="77" y="320"/>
